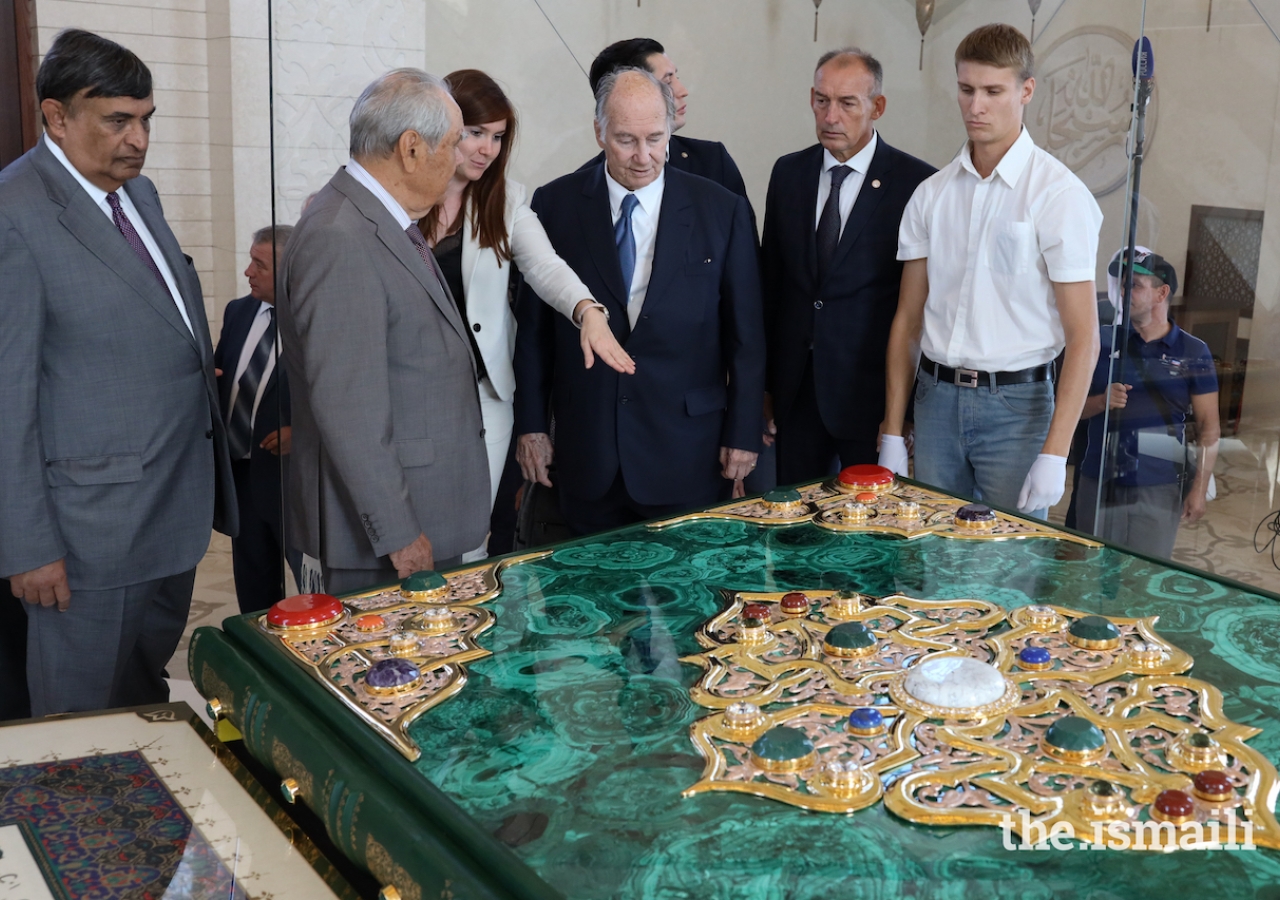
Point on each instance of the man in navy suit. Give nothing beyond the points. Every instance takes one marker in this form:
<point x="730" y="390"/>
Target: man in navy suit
<point x="709" y="159"/>
<point x="671" y="258"/>
<point x="830" y="272"/>
<point x="253" y="394"/>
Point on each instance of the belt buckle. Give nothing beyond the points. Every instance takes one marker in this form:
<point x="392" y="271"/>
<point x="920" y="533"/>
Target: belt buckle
<point x="967" y="377"/>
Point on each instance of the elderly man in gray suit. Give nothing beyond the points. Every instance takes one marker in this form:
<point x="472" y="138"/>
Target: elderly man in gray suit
<point x="389" y="474"/>
<point x="114" y="461"/>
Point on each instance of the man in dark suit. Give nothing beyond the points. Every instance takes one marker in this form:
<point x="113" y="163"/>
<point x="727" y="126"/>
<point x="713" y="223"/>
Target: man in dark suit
<point x="114" y="465"/>
<point x="709" y="159"/>
<point x="672" y="259"/>
<point x="388" y="473"/>
<point x="253" y="394"/>
<point x="830" y="273"/>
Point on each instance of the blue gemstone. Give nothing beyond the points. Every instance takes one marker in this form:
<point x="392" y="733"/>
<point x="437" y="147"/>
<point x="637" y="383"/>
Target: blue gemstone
<point x="391" y="673"/>
<point x="865" y="719"/>
<point x="1036" y="656"/>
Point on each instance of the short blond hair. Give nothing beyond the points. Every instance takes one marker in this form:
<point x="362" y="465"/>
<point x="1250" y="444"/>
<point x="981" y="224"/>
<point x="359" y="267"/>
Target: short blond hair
<point x="999" y="45"/>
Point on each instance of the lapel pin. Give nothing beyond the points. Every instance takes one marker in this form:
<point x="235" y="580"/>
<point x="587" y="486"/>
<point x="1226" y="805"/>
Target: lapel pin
<point x="875" y="183"/>
<point x="684" y="153"/>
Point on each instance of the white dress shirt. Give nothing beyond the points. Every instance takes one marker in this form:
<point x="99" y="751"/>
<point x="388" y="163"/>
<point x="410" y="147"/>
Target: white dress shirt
<point x="644" y="226"/>
<point x="256" y="330"/>
<point x="995" y="246"/>
<point x="852" y="183"/>
<point x="361" y="174"/>
<point x="99" y="197"/>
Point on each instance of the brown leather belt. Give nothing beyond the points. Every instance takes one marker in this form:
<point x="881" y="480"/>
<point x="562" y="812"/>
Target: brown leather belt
<point x="974" y="378"/>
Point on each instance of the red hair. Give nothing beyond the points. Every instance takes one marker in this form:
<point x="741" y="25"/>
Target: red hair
<point x="484" y="200"/>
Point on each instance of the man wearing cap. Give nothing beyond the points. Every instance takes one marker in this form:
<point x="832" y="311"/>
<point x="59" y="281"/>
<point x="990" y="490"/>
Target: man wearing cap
<point x="1159" y="375"/>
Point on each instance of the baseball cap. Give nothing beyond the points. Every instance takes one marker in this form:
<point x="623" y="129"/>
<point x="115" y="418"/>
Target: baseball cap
<point x="1147" y="263"/>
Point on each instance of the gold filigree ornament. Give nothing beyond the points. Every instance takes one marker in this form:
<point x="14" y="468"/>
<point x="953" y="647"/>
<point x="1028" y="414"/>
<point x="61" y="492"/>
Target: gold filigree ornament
<point x="433" y="634"/>
<point x="1108" y="741"/>
<point x="902" y="509"/>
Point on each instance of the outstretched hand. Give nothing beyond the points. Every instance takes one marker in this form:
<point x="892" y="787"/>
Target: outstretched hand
<point x="597" y="339"/>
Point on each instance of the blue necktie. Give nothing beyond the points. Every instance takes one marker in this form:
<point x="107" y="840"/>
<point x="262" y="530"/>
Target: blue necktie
<point x="625" y="238"/>
<point x="240" y="420"/>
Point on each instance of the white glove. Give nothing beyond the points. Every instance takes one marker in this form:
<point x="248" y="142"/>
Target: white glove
<point x="893" y="453"/>
<point x="1045" y="483"/>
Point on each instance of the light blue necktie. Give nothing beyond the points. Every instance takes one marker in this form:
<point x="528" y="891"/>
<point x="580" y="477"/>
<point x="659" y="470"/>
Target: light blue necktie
<point x="625" y="238"/>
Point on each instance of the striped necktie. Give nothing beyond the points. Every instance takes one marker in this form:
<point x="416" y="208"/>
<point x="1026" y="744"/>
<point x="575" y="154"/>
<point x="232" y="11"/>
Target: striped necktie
<point x="240" y="419"/>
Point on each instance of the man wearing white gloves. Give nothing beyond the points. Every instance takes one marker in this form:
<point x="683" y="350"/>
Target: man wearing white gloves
<point x="1000" y="249"/>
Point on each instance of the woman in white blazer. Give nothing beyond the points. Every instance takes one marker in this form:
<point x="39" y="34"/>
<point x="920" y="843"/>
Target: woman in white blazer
<point x="480" y="226"/>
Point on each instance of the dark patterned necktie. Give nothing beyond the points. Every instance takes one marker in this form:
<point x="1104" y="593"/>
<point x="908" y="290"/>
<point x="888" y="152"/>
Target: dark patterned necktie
<point x="829" y="222"/>
<point x="424" y="251"/>
<point x="131" y="236"/>
<point x="240" y="419"/>
<point x="625" y="238"/>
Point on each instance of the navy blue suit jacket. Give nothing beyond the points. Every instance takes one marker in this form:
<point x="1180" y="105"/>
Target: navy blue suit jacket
<point x="710" y="159"/>
<point x="698" y="345"/>
<point x="264" y="466"/>
<point x="845" y="318"/>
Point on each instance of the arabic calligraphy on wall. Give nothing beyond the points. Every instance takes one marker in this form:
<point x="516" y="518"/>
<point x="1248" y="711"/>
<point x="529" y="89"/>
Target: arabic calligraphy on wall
<point x="1081" y="109"/>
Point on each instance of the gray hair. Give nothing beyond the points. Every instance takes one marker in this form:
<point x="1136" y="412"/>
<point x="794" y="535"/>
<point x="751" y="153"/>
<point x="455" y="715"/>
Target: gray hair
<point x="871" y="64"/>
<point x="605" y="88"/>
<point x="273" y="234"/>
<point x="399" y="101"/>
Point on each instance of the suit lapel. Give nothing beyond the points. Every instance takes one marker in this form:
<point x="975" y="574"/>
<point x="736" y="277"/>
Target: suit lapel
<point x="238" y="333"/>
<point x="675" y="224"/>
<point x="869" y="197"/>
<point x="596" y="221"/>
<point x="87" y="224"/>
<point x="395" y="240"/>
<point x="153" y="217"/>
<point x="812" y="170"/>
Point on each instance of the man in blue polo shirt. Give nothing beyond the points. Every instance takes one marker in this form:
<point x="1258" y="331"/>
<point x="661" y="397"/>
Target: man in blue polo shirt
<point x="1164" y="376"/>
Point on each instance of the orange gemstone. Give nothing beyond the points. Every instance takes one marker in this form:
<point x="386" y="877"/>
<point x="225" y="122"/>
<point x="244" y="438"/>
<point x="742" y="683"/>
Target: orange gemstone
<point x="370" y="623"/>
<point x="304" y="610"/>
<point x="866" y="497"/>
<point x="868" y="475"/>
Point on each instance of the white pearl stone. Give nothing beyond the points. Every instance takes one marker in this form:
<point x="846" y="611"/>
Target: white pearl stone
<point x="958" y="682"/>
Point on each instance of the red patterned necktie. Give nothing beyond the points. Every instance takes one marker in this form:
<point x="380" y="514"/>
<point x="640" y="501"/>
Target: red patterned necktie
<point x="134" y="240"/>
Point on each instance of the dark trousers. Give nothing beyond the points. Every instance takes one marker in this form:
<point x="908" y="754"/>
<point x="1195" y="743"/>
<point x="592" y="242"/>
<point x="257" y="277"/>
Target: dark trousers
<point x="807" y="451"/>
<point x="256" y="552"/>
<point x="15" y="702"/>
<point x="109" y="648"/>
<point x="615" y="509"/>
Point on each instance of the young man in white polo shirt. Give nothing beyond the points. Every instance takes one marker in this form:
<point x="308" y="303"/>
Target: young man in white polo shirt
<point x="1000" y="249"/>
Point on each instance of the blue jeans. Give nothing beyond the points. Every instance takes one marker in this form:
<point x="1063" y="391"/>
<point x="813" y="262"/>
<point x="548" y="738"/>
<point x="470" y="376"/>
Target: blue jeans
<point x="980" y="441"/>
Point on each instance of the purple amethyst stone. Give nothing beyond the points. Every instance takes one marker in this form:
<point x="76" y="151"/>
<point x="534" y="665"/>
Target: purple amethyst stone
<point x="975" y="512"/>
<point x="386" y="674"/>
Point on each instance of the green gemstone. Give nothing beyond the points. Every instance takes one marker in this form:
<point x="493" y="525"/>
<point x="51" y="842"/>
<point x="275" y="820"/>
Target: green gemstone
<point x="850" y="636"/>
<point x="782" y="744"/>
<point x="1094" y="628"/>
<point x="783" y="496"/>
<point x="1199" y="740"/>
<point x="420" y="582"/>
<point x="1074" y="734"/>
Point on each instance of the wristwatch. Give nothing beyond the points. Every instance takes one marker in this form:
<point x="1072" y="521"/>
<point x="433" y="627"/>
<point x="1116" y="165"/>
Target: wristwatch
<point x="577" y="318"/>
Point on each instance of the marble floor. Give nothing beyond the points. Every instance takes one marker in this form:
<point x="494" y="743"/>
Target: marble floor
<point x="1223" y="542"/>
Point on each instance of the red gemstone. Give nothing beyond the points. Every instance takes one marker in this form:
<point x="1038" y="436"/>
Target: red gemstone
<point x="302" y="610"/>
<point x="1174" y="804"/>
<point x="794" y="602"/>
<point x="1213" y="785"/>
<point x="370" y="623"/>
<point x="756" y="611"/>
<point x="868" y="475"/>
<point x="866" y="497"/>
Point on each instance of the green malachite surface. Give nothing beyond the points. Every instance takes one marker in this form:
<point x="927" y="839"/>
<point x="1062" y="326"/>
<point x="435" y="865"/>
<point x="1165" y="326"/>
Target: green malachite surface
<point x="571" y="743"/>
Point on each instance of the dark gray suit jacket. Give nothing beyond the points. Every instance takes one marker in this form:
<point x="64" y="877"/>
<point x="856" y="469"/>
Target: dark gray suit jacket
<point x="114" y="455"/>
<point x="387" y="436"/>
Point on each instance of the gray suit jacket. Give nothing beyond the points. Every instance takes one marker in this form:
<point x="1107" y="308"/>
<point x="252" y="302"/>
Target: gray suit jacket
<point x="113" y="454"/>
<point x="387" y="436"/>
